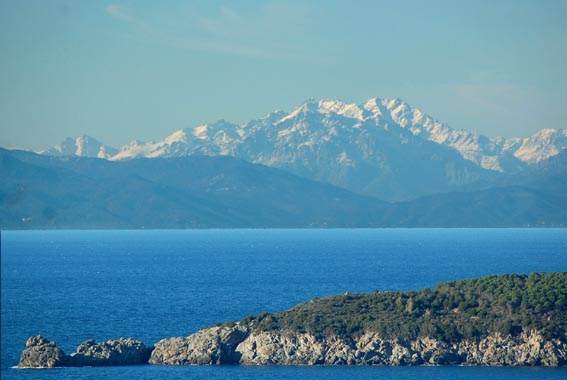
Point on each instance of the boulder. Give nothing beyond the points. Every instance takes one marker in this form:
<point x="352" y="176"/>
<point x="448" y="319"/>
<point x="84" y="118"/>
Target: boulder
<point x="41" y="353"/>
<point x="122" y="351"/>
<point x="214" y="345"/>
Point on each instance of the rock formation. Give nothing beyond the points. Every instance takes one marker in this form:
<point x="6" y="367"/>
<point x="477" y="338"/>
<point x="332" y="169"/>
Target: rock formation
<point x="123" y="351"/>
<point x="231" y="345"/>
<point x="239" y="344"/>
<point x="508" y="320"/>
<point x="215" y="345"/>
<point x="41" y="353"/>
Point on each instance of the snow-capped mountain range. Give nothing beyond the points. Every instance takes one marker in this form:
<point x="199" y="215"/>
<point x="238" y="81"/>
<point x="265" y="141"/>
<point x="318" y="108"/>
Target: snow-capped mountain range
<point x="382" y="147"/>
<point x="82" y="146"/>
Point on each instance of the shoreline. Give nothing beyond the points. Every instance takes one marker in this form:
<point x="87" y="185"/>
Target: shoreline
<point x="505" y="320"/>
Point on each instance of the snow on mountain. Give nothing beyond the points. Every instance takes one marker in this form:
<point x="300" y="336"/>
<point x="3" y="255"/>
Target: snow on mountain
<point x="83" y="146"/>
<point x="223" y="137"/>
<point x="218" y="138"/>
<point x="541" y="146"/>
<point x="346" y="145"/>
<point x="382" y="147"/>
<point x="482" y="150"/>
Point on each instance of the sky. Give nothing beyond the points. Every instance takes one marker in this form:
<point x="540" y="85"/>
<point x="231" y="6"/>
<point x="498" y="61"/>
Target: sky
<point x="125" y="70"/>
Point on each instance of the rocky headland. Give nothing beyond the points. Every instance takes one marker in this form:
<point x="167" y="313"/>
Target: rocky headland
<point x="42" y="353"/>
<point x="236" y="345"/>
<point x="512" y="320"/>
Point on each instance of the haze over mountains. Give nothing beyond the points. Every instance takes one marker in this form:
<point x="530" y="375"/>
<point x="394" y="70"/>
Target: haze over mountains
<point x="325" y="164"/>
<point x="185" y="192"/>
<point x="383" y="147"/>
<point x="202" y="191"/>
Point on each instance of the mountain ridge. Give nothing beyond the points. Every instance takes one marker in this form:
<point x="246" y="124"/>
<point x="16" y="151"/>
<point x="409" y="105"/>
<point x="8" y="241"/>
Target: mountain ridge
<point x="532" y="149"/>
<point x="382" y="147"/>
<point x="186" y="192"/>
<point x="224" y="192"/>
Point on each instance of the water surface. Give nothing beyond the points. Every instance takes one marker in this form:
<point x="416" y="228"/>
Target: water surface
<point x="76" y="285"/>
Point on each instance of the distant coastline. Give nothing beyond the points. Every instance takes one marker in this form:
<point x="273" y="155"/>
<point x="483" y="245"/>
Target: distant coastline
<point x="43" y="192"/>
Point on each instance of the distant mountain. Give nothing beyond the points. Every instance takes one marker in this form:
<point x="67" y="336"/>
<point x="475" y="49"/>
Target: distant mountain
<point x="201" y="191"/>
<point x="188" y="192"/>
<point x="82" y="146"/>
<point x="536" y="196"/>
<point x="513" y="206"/>
<point x="382" y="147"/>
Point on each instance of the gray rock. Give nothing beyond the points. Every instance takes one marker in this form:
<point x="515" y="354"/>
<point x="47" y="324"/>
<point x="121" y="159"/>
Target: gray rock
<point x="237" y="344"/>
<point x="122" y="351"/>
<point x="214" y="345"/>
<point x="527" y="349"/>
<point x="41" y="353"/>
<point x="242" y="344"/>
<point x="288" y="348"/>
<point x="266" y="347"/>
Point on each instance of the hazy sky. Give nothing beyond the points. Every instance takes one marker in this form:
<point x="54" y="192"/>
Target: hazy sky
<point x="120" y="70"/>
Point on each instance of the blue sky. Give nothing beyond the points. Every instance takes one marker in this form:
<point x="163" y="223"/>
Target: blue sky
<point x="120" y="70"/>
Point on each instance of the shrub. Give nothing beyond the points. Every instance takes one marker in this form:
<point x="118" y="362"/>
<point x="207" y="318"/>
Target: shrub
<point x="469" y="309"/>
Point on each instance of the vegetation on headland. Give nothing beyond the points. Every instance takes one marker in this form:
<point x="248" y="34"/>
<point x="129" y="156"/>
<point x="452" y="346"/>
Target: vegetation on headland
<point x="468" y="309"/>
<point x="530" y="311"/>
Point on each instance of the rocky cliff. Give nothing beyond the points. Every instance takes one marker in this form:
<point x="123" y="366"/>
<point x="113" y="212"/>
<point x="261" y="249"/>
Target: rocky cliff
<point x="236" y="345"/>
<point x="509" y="320"/>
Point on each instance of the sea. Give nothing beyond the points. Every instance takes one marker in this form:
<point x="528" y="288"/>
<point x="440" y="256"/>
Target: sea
<point x="70" y="286"/>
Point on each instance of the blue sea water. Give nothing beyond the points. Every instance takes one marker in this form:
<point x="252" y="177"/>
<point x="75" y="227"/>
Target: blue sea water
<point x="75" y="285"/>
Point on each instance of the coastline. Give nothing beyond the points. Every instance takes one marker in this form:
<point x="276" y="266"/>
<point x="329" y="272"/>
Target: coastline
<point x="380" y="328"/>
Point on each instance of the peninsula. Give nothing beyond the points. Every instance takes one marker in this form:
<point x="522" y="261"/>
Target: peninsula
<point x="506" y="320"/>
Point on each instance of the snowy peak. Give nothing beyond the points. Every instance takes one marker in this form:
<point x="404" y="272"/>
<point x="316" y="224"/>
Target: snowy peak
<point x="407" y="116"/>
<point x="178" y="136"/>
<point x="327" y="107"/>
<point x="83" y="146"/>
<point x="337" y="107"/>
<point x="542" y="145"/>
<point x="330" y="125"/>
<point x="134" y="149"/>
<point x="217" y="138"/>
<point x="375" y="107"/>
<point x="386" y="110"/>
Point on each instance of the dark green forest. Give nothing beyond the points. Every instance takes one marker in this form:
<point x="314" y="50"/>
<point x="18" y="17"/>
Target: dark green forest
<point x="468" y="309"/>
